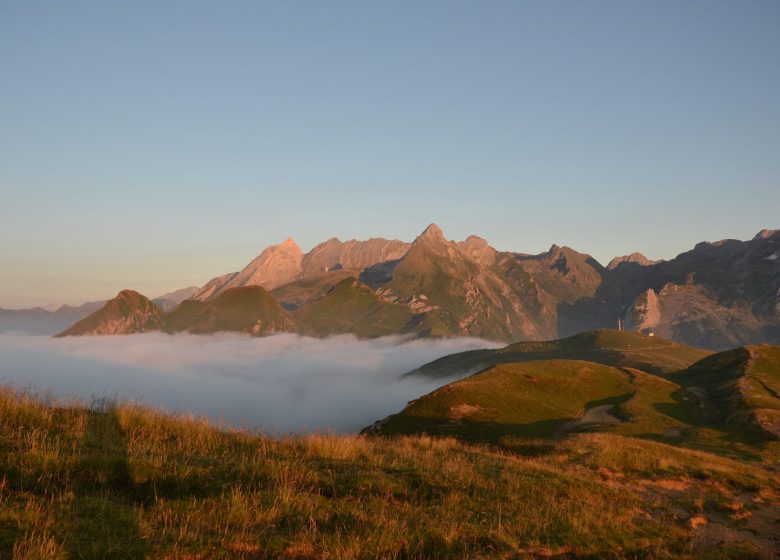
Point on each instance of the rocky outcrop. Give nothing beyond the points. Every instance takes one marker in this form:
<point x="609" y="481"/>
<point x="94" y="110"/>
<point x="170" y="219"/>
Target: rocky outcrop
<point x="334" y="254"/>
<point x="688" y="313"/>
<point x="645" y="314"/>
<point x="478" y="250"/>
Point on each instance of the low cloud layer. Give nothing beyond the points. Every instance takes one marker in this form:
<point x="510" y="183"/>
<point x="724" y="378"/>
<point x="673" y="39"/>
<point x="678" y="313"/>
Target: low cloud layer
<point x="282" y="383"/>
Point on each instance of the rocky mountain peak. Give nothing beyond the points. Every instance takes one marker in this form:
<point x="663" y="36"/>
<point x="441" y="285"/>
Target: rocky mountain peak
<point x="130" y="299"/>
<point x="275" y="266"/>
<point x="766" y="233"/>
<point x="129" y="295"/>
<point x="288" y="244"/>
<point x="353" y="254"/>
<point x="474" y="242"/>
<point x="478" y="249"/>
<point x="431" y="233"/>
<point x="637" y="258"/>
<point x="432" y="240"/>
<point x="129" y="312"/>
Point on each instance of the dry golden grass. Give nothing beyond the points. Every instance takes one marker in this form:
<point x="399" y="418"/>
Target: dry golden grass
<point x="122" y="481"/>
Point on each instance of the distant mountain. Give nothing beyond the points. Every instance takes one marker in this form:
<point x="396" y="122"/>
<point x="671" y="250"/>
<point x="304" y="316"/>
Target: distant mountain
<point x="281" y="264"/>
<point x="39" y="321"/>
<point x="602" y="381"/>
<point x="352" y="307"/>
<point x="717" y="295"/>
<point x="452" y="293"/>
<point x="213" y="286"/>
<point x="128" y="313"/>
<point x="248" y="309"/>
<point x="171" y="300"/>
<point x="635" y="258"/>
<point x="275" y="266"/>
<point x="350" y="255"/>
<point x="306" y="290"/>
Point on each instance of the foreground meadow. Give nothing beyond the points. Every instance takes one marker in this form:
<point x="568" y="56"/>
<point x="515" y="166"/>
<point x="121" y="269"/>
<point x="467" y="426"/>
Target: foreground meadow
<point x="120" y="481"/>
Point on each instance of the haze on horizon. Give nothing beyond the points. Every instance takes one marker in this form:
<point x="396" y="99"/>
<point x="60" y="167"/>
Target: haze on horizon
<point x="153" y="146"/>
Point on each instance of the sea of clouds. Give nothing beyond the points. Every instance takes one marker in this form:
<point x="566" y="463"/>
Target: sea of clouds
<point x="278" y="384"/>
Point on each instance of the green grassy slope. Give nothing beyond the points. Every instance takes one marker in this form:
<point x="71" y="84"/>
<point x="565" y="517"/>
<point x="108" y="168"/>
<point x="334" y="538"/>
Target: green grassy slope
<point x="550" y="398"/>
<point x="351" y="307"/>
<point x="535" y="399"/>
<point x="249" y="309"/>
<point x="609" y="347"/>
<point x="726" y="403"/>
<point x="126" y="482"/>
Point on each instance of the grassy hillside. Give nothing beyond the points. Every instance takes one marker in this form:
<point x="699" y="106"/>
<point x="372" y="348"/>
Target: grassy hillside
<point x="536" y="399"/>
<point x="726" y="403"/>
<point x="351" y="307"/>
<point x="126" y="482"/>
<point x="609" y="347"/>
<point x="739" y="388"/>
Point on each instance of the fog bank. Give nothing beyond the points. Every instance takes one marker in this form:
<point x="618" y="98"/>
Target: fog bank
<point x="281" y="383"/>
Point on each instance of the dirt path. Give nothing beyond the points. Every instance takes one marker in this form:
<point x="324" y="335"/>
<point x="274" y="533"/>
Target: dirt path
<point x="596" y="416"/>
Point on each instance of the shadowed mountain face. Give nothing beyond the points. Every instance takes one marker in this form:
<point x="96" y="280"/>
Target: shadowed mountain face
<point x="718" y="295"/>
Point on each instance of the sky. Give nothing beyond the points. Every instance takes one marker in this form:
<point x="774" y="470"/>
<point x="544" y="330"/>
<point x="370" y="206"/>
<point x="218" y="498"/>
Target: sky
<point x="154" y="145"/>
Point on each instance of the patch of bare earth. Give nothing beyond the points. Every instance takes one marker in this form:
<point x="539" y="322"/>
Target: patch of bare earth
<point x="462" y="410"/>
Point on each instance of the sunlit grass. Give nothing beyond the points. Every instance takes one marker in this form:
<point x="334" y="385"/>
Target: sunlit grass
<point x="121" y="481"/>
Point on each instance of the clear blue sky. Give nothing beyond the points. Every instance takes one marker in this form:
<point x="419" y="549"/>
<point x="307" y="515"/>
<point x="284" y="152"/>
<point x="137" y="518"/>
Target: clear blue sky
<point x="153" y="145"/>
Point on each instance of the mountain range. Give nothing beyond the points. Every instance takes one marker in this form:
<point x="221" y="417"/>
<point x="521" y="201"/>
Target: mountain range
<point x="717" y="295"/>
